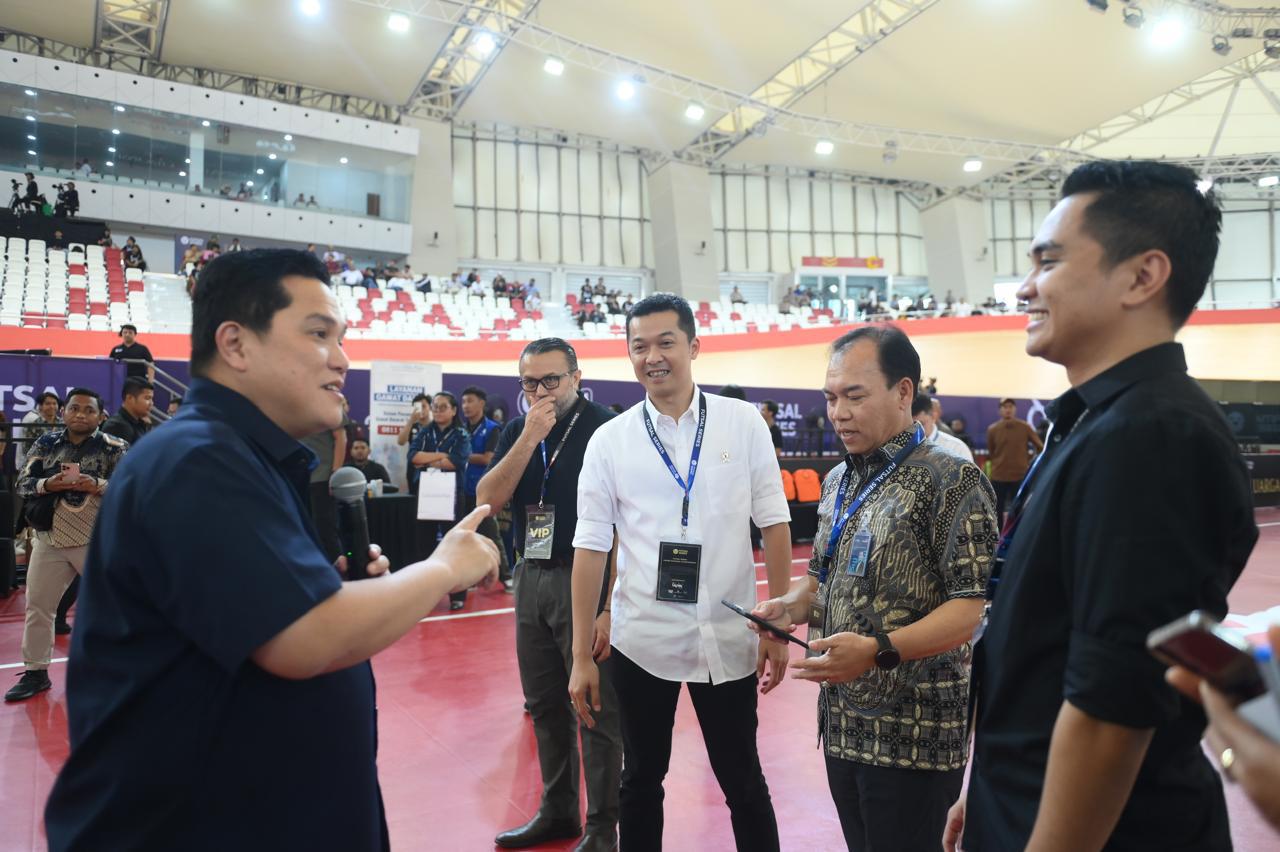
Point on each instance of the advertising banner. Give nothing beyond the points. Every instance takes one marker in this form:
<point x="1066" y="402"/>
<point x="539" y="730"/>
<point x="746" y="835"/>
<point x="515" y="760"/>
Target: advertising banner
<point x="24" y="377"/>
<point x="392" y="387"/>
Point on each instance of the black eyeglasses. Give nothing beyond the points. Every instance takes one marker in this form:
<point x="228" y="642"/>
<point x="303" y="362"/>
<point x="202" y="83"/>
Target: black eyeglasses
<point x="550" y="382"/>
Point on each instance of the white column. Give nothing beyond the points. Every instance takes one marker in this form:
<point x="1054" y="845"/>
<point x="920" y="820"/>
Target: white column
<point x="684" y="257"/>
<point x="434" y="249"/>
<point x="195" y="171"/>
<point x="957" y="250"/>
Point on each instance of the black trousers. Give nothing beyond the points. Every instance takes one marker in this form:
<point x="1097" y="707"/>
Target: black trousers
<point x="887" y="809"/>
<point x="727" y="716"/>
<point x="1005" y="492"/>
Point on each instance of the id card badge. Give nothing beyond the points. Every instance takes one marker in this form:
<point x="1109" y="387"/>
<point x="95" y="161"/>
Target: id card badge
<point x="859" y="554"/>
<point x="679" y="564"/>
<point x="539" y="531"/>
<point x="817" y="623"/>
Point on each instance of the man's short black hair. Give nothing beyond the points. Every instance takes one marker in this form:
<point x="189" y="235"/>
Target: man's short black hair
<point x="478" y="392"/>
<point x="1143" y="205"/>
<point x="898" y="357"/>
<point x="922" y="404"/>
<point x="733" y="392"/>
<point x="133" y="386"/>
<point x="47" y="395"/>
<point x="422" y="397"/>
<point x="661" y="303"/>
<point x="130" y="326"/>
<point x="93" y="394"/>
<point x="245" y="287"/>
<point x="359" y="440"/>
<point x="544" y="345"/>
<point x="771" y="406"/>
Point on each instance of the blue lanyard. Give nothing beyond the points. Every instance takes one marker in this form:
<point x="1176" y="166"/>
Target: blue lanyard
<point x="686" y="487"/>
<point x="440" y="441"/>
<point x="837" y="528"/>
<point x="547" y="465"/>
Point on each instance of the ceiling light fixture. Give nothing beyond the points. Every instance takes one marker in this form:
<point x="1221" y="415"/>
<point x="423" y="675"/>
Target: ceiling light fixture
<point x="625" y="90"/>
<point x="553" y="65"/>
<point x="248" y="183"/>
<point x="973" y="164"/>
<point x="111" y="150"/>
<point x="342" y="160"/>
<point x="271" y="156"/>
<point x="119" y="108"/>
<point x="30" y="137"/>
<point x="110" y="164"/>
<point x="824" y="147"/>
<point x="310" y="8"/>
<point x="204" y="123"/>
<point x="187" y="161"/>
<point x="1269" y="181"/>
<point x="182" y="174"/>
<point x="31" y="118"/>
<point x="1168" y="31"/>
<point x="398" y="23"/>
<point x="261" y="172"/>
<point x="288" y="137"/>
<point x="115" y="131"/>
<point x="31" y="153"/>
<point x="29" y="92"/>
<point x="483" y="44"/>
<point x="1221" y="46"/>
<point x="694" y="111"/>
<point x="1134" y="17"/>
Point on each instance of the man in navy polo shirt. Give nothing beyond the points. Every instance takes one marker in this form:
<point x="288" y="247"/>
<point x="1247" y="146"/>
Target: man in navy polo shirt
<point x="485" y="432"/>
<point x="219" y="691"/>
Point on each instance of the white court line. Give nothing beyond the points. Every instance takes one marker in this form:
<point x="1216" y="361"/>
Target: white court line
<point x="21" y="665"/>
<point x="1270" y="524"/>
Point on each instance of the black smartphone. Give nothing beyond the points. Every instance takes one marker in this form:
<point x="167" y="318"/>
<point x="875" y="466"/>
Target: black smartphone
<point x="1197" y="642"/>
<point x="776" y="631"/>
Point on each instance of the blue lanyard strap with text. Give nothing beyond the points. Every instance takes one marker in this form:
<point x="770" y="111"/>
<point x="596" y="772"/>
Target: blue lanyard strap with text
<point x="547" y="465"/>
<point x="686" y="487"/>
<point x="837" y="526"/>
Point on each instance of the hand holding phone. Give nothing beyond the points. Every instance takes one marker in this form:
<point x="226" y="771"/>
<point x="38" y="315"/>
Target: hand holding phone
<point x="775" y="630"/>
<point x="1198" y="643"/>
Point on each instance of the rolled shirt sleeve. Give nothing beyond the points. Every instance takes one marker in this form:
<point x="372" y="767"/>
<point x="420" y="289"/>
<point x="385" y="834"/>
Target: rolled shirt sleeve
<point x="597" y="494"/>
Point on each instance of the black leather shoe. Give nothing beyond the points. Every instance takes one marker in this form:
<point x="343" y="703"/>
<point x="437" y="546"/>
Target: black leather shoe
<point x="61" y="628"/>
<point x="540" y="829"/>
<point x="598" y="841"/>
<point x="33" y="682"/>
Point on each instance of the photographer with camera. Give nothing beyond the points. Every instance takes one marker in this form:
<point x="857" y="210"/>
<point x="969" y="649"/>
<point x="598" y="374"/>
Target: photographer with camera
<point x="31" y="200"/>
<point x="68" y="199"/>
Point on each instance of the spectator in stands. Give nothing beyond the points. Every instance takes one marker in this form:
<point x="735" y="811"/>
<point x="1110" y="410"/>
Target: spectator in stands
<point x="85" y="168"/>
<point x="784" y="307"/>
<point x="611" y="305"/>
<point x="197" y="190"/>
<point x="441" y="448"/>
<point x="736" y="296"/>
<point x="35" y="423"/>
<point x="922" y="411"/>
<point x="1009" y="449"/>
<point x="533" y="302"/>
<point x="105" y="239"/>
<point x="132" y="254"/>
<point x="477" y="288"/>
<point x="59" y="240"/>
<point x="135" y="351"/>
<point x="587" y="295"/>
<point x="235" y="245"/>
<point x="30" y="199"/>
<point x="225" y="191"/>
<point x="890" y="617"/>
<point x="243" y="193"/>
<point x="68" y="203"/>
<point x="212" y="244"/>
<point x="352" y="276"/>
<point x="600" y="288"/>
<point x="360" y="461"/>
<point x="769" y="411"/>
<point x="311" y="202"/>
<point x="332" y="262"/>
<point x="454" y="285"/>
<point x="330" y="449"/>
<point x="628" y="304"/>
<point x="133" y="419"/>
<point x="598" y="315"/>
<point x="484" y="440"/>
<point x="191" y="257"/>
<point x="473" y="277"/>
<point x="311" y="250"/>
<point x="300" y="201"/>
<point x="64" y="475"/>
<point x="499" y="285"/>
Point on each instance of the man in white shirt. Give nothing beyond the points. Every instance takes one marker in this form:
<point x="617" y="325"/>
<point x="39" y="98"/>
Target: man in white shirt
<point x="681" y="476"/>
<point x="922" y="411"/>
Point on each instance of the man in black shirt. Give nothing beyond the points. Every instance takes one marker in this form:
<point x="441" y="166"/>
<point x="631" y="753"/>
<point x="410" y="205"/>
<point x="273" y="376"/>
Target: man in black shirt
<point x="769" y="411"/>
<point x="536" y="464"/>
<point x="1138" y="511"/>
<point x="132" y="349"/>
<point x="360" y="461"/>
<point x="133" y="420"/>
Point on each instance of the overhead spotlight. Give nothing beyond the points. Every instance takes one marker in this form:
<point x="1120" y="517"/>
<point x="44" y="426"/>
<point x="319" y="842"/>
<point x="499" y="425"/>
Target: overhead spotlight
<point x="111" y="150"/>
<point x="31" y="138"/>
<point x="182" y="174"/>
<point x="483" y="44"/>
<point x="115" y="131"/>
<point x="288" y="137"/>
<point x="29" y="92"/>
<point x="187" y="161"/>
<point x="553" y="65"/>
<point x="625" y="90"/>
<point x="342" y="160"/>
<point x="110" y="164"/>
<point x="31" y="153"/>
<point x="1221" y="46"/>
<point x="31" y="118"/>
<point x="1168" y="31"/>
<point x="1204" y="185"/>
<point x="398" y="23"/>
<point x="204" y="123"/>
<point x="1134" y="17"/>
<point x="271" y="156"/>
<point x="310" y="8"/>
<point x="890" y="155"/>
<point x="1097" y="5"/>
<point x="248" y="183"/>
<point x="1271" y="49"/>
<point x="261" y="172"/>
<point x="1269" y="181"/>
<point x="694" y="111"/>
<point x="973" y="164"/>
<point x="824" y="147"/>
<point x="119" y="108"/>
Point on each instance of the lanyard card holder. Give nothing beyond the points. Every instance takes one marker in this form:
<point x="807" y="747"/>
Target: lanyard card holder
<point x="679" y="566"/>
<point x="540" y="531"/>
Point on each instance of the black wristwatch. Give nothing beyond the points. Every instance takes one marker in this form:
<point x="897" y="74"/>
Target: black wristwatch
<point x="887" y="657"/>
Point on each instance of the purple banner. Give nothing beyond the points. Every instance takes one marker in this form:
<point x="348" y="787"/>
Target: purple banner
<point x="24" y="377"/>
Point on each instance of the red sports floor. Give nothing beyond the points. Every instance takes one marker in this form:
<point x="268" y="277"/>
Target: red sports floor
<point x="458" y="761"/>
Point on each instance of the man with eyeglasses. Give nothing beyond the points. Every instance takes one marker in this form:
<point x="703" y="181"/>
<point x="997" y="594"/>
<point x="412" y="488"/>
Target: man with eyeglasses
<point x="536" y="466"/>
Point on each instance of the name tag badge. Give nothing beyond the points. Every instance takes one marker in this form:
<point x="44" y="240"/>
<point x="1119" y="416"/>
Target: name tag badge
<point x="860" y="554"/>
<point x="817" y="623"/>
<point x="679" y="563"/>
<point x="539" y="532"/>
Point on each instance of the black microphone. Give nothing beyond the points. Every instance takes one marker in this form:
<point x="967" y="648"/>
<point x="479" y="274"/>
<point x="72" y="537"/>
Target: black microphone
<point x="348" y="488"/>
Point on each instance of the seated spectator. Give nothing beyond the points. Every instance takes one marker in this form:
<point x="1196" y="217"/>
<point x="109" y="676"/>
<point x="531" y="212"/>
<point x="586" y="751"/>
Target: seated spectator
<point x="105" y="239"/>
<point x="612" y="306"/>
<point x="359" y="452"/>
<point x="197" y="189"/>
<point x="68" y="203"/>
<point x="191" y="256"/>
<point x="243" y="194"/>
<point x="59" y="240"/>
<point x="133" y="420"/>
<point x="784" y="307"/>
<point x="300" y="201"/>
<point x="598" y="315"/>
<point x="736" y="296"/>
<point x="473" y="277"/>
<point x="132" y="254"/>
<point x="628" y="304"/>
<point x="311" y="202"/>
<point x="454" y="285"/>
<point x="600" y="288"/>
<point x="225" y="191"/>
<point x="85" y="169"/>
<point x="212" y="243"/>
<point x="332" y="262"/>
<point x="533" y="302"/>
<point x="235" y="245"/>
<point x="587" y="294"/>
<point x="352" y="276"/>
<point x="311" y="250"/>
<point x="477" y="288"/>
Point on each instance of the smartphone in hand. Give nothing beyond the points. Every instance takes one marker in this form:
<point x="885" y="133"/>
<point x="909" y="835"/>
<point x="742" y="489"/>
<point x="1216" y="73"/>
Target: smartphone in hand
<point x="776" y="631"/>
<point x="1197" y="642"/>
<point x="70" y="470"/>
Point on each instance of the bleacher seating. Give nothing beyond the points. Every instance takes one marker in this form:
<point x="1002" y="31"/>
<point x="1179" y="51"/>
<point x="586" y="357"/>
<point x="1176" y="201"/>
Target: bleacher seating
<point x="381" y="313"/>
<point x="82" y="287"/>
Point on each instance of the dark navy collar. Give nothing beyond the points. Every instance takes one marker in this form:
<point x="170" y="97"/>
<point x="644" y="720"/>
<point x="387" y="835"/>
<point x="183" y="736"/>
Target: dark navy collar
<point x="219" y="402"/>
